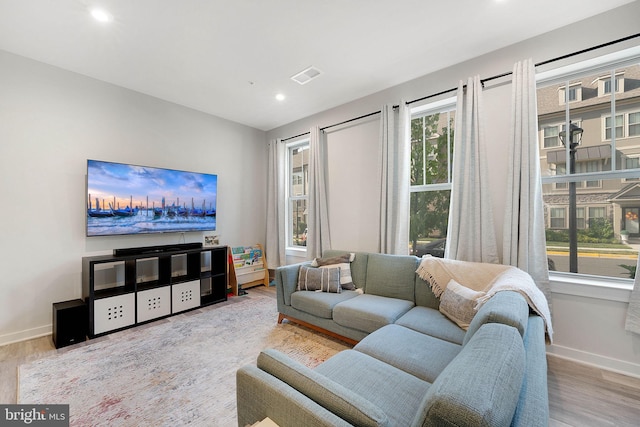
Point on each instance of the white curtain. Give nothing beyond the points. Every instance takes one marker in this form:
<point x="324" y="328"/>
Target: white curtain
<point x="395" y="152"/>
<point x="318" y="236"/>
<point x="524" y="244"/>
<point x="632" y="323"/>
<point x="470" y="233"/>
<point x="275" y="247"/>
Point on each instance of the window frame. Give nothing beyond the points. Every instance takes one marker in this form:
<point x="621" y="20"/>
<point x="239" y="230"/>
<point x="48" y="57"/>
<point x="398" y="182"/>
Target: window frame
<point x="290" y="248"/>
<point x="572" y="283"/>
<point x="445" y="105"/>
<point x="438" y="107"/>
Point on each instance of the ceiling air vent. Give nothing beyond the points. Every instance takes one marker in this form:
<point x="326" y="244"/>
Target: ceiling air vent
<point x="305" y="76"/>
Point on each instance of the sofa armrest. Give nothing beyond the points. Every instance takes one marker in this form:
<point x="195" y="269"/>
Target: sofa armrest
<point x="336" y="398"/>
<point x="286" y="278"/>
<point x="481" y="385"/>
<point x="260" y="395"/>
<point x="533" y="404"/>
<point x="506" y="307"/>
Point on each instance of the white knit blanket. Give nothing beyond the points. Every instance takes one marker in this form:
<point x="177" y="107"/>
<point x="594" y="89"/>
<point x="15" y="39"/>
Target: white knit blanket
<point x="488" y="278"/>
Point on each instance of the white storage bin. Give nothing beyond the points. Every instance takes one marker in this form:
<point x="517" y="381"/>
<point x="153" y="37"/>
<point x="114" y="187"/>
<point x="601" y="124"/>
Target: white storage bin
<point x="185" y="296"/>
<point x="154" y="303"/>
<point x="113" y="313"/>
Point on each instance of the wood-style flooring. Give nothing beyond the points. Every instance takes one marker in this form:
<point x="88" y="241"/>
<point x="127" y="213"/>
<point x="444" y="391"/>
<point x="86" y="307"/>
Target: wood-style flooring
<point x="579" y="395"/>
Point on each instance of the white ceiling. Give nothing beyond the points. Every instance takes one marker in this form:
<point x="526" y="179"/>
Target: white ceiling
<point x="230" y="58"/>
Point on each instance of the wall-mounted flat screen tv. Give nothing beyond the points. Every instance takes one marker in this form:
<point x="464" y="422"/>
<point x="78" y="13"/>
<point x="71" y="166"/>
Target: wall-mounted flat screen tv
<point x="131" y="199"/>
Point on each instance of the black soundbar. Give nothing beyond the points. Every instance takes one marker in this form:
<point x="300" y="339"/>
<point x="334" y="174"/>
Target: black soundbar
<point x="156" y="249"/>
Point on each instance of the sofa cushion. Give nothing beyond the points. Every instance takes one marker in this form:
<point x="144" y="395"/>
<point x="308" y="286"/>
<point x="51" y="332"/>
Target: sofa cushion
<point x="506" y="307"/>
<point x="417" y="354"/>
<point x="392" y="276"/>
<point x="319" y="279"/>
<point x="319" y="304"/>
<point x="333" y="396"/>
<point x="396" y="392"/>
<point x="480" y="387"/>
<point x="431" y="322"/>
<point x="369" y="312"/>
<point x="458" y="303"/>
<point x="424" y="295"/>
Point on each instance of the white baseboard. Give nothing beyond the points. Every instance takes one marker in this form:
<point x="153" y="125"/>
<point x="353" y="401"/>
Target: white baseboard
<point x="27" y="334"/>
<point x="615" y="365"/>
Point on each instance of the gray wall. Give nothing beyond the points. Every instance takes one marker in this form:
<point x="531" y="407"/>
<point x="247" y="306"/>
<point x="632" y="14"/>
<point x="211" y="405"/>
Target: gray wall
<point x="589" y="321"/>
<point x="51" y="122"/>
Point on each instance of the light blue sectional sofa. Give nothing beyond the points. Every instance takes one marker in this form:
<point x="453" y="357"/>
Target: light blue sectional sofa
<point x="411" y="365"/>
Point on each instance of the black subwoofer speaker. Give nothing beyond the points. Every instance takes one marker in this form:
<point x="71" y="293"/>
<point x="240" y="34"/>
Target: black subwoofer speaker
<point x="70" y="322"/>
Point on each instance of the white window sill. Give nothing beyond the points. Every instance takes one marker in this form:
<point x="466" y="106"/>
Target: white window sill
<point x="296" y="251"/>
<point x="605" y="288"/>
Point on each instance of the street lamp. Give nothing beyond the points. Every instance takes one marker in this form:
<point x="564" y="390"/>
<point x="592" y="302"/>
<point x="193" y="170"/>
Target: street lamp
<point x="575" y="137"/>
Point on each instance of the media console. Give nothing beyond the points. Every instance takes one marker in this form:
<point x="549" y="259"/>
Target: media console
<point x="143" y="284"/>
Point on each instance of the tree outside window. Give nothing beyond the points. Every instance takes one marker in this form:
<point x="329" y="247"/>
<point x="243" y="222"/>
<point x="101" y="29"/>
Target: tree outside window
<point x="431" y="157"/>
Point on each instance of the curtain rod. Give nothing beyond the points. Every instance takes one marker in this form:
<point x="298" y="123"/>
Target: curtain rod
<point x="548" y="61"/>
<point x="351" y="120"/>
<point x="483" y="81"/>
<point x="334" y="125"/>
<point x="294" y="137"/>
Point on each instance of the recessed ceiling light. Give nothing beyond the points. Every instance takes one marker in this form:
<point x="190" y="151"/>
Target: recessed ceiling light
<point x="280" y="97"/>
<point x="101" y="15"/>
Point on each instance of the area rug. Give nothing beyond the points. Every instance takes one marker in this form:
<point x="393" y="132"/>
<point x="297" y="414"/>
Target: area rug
<point x="180" y="371"/>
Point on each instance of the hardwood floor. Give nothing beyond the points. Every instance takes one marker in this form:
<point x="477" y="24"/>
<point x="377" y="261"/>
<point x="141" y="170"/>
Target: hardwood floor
<point x="579" y="395"/>
<point x="582" y="395"/>
<point x="11" y="356"/>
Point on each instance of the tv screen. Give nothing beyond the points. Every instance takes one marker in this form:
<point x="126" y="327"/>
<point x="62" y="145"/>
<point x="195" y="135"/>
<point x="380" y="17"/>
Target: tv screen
<point x="131" y="199"/>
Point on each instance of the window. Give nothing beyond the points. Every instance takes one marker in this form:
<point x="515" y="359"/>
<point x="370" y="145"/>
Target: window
<point x="604" y="149"/>
<point x="431" y="159"/>
<point x="596" y="213"/>
<point x="627" y="125"/>
<point x="619" y="127"/>
<point x="632" y="163"/>
<point x="604" y="84"/>
<point x="574" y="94"/>
<point x="558" y="218"/>
<point x="560" y="169"/>
<point x="297" y="193"/>
<point x="589" y="166"/>
<point x="634" y="124"/>
<point x="550" y="137"/>
<point x="580" y="219"/>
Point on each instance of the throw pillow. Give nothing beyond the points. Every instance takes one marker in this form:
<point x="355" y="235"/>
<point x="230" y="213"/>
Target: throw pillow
<point x="344" y="263"/>
<point x="458" y="303"/>
<point x="319" y="279"/>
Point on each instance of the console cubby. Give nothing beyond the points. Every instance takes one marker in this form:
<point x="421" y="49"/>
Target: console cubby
<point x="147" y="271"/>
<point x="124" y="290"/>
